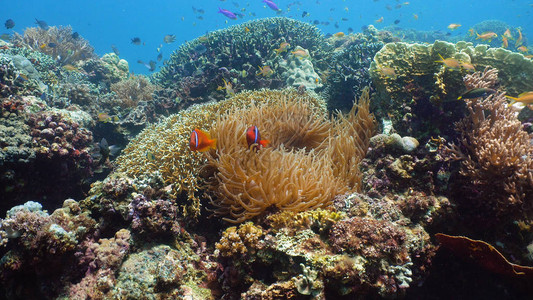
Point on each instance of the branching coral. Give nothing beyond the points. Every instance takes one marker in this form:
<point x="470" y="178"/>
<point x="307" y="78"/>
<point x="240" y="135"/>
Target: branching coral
<point x="133" y="90"/>
<point x="310" y="160"/>
<point x="58" y="42"/>
<point x="495" y="153"/>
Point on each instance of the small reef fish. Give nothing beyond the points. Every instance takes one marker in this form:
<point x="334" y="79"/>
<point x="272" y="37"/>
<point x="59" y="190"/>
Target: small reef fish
<point x="227" y="13"/>
<point x="253" y="138"/>
<point x="415" y="16"/>
<point x="169" y="38"/>
<point x="9" y="24"/>
<point x="468" y="66"/>
<point x="471" y="31"/>
<point x="387" y="71"/>
<point x="487" y="36"/>
<point x="246" y="29"/>
<point x="519" y="40"/>
<point x="201" y="141"/>
<point x="379" y="20"/>
<point x="522" y="49"/>
<point x="228" y="87"/>
<point x="272" y="5"/>
<point x="505" y="42"/>
<point x="282" y="47"/>
<point x="115" y="50"/>
<point x="339" y="34"/>
<point x="507" y="34"/>
<point x="300" y="53"/>
<point x="150" y="156"/>
<point x="160" y="56"/>
<point x="42" y="24"/>
<point x="150" y="66"/>
<point x="524" y="98"/>
<point x="106" y="150"/>
<point x="75" y="35"/>
<point x="454" y="26"/>
<point x="476" y="93"/>
<point x="266" y="71"/>
<point x="105" y="118"/>
<point x="451" y="63"/>
<point x="136" y="41"/>
<point x="70" y="67"/>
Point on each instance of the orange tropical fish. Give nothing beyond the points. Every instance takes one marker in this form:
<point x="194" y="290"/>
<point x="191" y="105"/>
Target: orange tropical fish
<point x="282" y="47"/>
<point x="266" y="71"/>
<point x="505" y="42"/>
<point x="519" y="39"/>
<point x="339" y="34"/>
<point x="201" y="141"/>
<point x="379" y="20"/>
<point x="454" y="26"/>
<point x="487" y="36"/>
<point x="300" y="53"/>
<point x="507" y="34"/>
<point x="253" y="138"/>
<point x="451" y="63"/>
<point x="522" y="48"/>
<point x="524" y="98"/>
<point x="467" y="66"/>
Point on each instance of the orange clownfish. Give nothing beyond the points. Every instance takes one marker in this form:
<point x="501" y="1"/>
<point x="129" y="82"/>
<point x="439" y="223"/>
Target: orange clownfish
<point x="201" y="141"/>
<point x="253" y="137"/>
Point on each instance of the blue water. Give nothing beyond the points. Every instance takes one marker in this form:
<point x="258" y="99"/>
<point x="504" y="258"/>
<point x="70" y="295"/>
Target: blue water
<point x="116" y="22"/>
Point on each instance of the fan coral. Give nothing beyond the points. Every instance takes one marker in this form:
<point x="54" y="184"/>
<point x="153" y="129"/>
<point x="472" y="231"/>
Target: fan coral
<point x="496" y="155"/>
<point x="168" y="142"/>
<point x="133" y="90"/>
<point x="58" y="42"/>
<point x="309" y="161"/>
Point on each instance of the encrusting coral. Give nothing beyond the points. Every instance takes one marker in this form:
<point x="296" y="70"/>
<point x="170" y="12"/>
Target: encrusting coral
<point x="309" y="160"/>
<point x="495" y="153"/>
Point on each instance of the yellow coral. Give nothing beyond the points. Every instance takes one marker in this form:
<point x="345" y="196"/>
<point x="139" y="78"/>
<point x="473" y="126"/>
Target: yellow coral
<point x="322" y="218"/>
<point x="238" y="241"/>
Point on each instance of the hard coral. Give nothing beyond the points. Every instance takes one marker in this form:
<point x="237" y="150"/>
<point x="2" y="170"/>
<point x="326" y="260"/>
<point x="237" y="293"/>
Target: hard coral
<point x="58" y="42"/>
<point x="198" y="67"/>
<point x="309" y="161"/>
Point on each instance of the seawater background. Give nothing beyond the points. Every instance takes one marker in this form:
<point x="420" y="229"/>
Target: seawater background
<point x="107" y="22"/>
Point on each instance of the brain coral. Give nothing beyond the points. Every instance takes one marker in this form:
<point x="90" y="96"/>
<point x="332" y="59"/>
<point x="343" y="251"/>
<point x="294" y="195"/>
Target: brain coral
<point x="244" y="183"/>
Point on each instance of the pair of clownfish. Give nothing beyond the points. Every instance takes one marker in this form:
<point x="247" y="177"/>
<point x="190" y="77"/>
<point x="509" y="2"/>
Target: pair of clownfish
<point x="201" y="140"/>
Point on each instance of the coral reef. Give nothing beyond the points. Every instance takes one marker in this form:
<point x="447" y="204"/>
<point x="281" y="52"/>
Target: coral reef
<point x="57" y="42"/>
<point x="106" y="70"/>
<point x="198" y="67"/>
<point x="496" y="157"/>
<point x="41" y="248"/>
<point x="419" y="96"/>
<point x="133" y="90"/>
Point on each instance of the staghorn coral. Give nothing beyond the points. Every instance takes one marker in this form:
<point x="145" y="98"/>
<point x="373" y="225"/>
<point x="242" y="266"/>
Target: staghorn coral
<point x="133" y="90"/>
<point x="168" y="142"/>
<point x="58" y="42"/>
<point x="309" y="161"/>
<point x="496" y="156"/>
